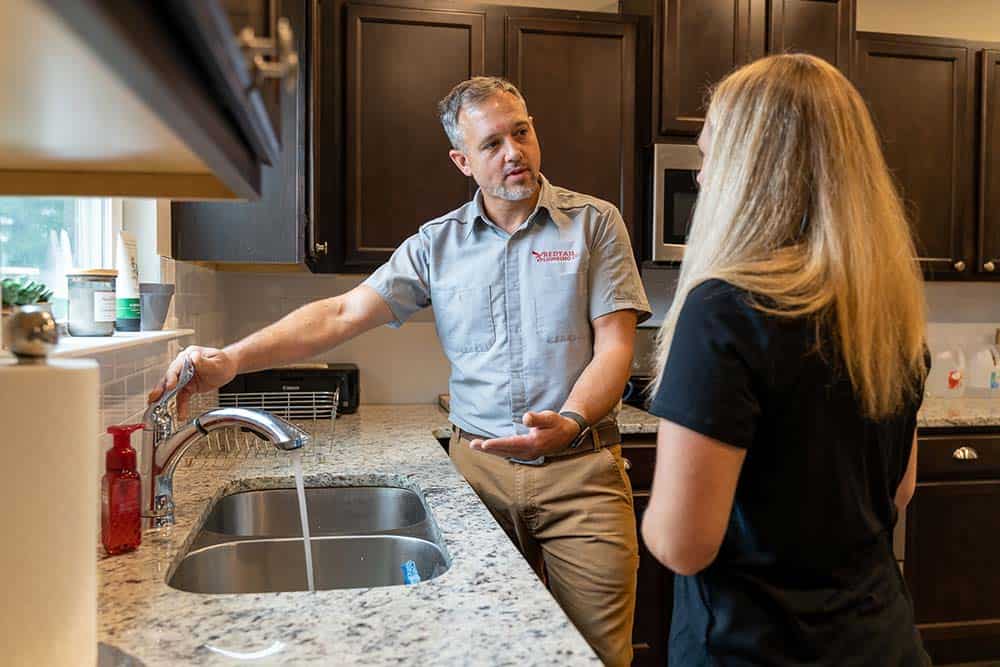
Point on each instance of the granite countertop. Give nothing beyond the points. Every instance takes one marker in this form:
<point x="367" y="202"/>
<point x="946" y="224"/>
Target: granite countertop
<point x="959" y="412"/>
<point x="488" y="608"/>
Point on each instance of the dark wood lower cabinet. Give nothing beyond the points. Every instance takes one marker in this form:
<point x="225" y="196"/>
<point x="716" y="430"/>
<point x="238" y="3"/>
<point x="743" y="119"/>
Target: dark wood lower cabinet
<point x="653" y="602"/>
<point x="655" y="588"/>
<point x="952" y="543"/>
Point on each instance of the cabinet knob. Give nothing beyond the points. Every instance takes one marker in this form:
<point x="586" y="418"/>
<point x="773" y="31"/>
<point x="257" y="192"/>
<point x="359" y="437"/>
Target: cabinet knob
<point x="989" y="266"/>
<point x="320" y="248"/>
<point x="965" y="453"/>
<point x="627" y="464"/>
<point x="959" y="266"/>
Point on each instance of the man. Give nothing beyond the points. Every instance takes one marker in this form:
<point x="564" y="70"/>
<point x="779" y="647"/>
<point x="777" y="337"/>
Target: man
<point x="536" y="297"/>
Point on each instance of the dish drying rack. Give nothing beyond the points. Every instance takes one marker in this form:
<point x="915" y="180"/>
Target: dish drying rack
<point x="313" y="412"/>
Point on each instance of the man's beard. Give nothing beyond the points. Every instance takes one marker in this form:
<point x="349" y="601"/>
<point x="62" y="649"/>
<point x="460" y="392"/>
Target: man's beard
<point x="516" y="193"/>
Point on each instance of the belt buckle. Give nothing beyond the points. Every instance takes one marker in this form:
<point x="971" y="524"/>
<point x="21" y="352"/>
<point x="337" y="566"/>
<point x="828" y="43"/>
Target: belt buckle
<point x="529" y="462"/>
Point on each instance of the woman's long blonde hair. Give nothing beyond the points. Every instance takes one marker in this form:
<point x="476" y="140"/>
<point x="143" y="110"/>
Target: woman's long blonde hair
<point x="797" y="207"/>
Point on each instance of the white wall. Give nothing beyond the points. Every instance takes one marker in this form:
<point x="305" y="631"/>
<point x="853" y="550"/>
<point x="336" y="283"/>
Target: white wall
<point x="965" y="19"/>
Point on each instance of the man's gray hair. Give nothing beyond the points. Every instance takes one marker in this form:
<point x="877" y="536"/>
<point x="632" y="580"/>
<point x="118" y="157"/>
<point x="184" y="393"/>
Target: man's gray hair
<point x="471" y="92"/>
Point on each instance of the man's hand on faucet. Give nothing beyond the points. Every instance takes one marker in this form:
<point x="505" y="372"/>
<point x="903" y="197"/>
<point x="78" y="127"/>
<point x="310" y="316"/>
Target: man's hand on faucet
<point x="212" y="369"/>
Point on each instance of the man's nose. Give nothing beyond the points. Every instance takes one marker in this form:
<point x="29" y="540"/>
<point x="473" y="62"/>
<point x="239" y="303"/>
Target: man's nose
<point x="512" y="151"/>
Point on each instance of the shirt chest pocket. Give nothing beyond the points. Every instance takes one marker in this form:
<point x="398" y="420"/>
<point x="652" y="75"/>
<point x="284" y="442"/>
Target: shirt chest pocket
<point x="561" y="308"/>
<point x="464" y="317"/>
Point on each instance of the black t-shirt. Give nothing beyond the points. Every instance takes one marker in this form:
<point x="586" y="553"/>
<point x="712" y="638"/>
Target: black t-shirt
<point x="805" y="573"/>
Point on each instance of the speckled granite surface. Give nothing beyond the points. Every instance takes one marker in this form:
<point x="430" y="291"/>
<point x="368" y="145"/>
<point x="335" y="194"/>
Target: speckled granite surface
<point x="487" y="609"/>
<point x="630" y="420"/>
<point x="952" y="412"/>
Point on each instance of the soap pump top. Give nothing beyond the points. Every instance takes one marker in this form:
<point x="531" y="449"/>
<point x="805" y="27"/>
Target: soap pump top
<point x="121" y="456"/>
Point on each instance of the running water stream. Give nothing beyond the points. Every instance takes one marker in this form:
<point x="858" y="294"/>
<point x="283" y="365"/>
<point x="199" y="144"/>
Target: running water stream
<point x="303" y="515"/>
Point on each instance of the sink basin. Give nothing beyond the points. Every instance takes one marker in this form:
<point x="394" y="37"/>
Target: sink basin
<point x="273" y="565"/>
<point x="251" y="542"/>
<point x="332" y="511"/>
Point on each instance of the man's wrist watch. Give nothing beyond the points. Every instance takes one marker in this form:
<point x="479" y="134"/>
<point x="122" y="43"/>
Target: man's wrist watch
<point x="582" y="423"/>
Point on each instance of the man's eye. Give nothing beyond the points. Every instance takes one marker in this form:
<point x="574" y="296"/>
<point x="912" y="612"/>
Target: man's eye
<point x="490" y="146"/>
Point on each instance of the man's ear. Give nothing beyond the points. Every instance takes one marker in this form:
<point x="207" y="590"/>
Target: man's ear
<point x="461" y="161"/>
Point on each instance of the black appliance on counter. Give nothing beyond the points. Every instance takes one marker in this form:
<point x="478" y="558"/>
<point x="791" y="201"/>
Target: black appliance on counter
<point x="303" y="392"/>
<point x="635" y="391"/>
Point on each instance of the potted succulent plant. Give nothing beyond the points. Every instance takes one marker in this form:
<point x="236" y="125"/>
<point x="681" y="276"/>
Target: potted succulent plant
<point x="21" y="291"/>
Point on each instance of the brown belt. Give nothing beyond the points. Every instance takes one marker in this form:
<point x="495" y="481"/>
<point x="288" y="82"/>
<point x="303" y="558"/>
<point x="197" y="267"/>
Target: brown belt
<point x="602" y="434"/>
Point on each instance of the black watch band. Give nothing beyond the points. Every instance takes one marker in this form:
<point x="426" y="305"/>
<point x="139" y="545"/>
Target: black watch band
<point x="582" y="423"/>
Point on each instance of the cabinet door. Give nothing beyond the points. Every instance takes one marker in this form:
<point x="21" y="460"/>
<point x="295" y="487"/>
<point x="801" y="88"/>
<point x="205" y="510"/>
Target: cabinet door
<point x="950" y="568"/>
<point x="823" y="28"/>
<point x="989" y="172"/>
<point x="578" y="78"/>
<point x="921" y="96"/>
<point x="653" y="604"/>
<point x="399" y="64"/>
<point x="699" y="43"/>
<point x="272" y="229"/>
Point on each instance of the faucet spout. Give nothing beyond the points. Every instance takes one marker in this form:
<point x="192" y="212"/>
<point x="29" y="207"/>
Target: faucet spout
<point x="165" y="450"/>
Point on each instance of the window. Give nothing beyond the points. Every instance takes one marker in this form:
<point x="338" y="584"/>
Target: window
<point x="40" y="235"/>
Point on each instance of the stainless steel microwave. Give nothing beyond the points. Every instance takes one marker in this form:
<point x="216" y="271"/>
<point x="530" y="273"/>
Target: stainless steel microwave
<point x="675" y="191"/>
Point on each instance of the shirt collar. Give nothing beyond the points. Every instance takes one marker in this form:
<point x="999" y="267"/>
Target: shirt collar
<point x="546" y="200"/>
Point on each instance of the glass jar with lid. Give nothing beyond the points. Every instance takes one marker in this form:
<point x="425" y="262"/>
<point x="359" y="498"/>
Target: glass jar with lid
<point x="92" y="302"/>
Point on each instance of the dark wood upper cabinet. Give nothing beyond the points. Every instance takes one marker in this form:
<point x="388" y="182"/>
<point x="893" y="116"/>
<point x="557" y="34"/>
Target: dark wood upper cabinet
<point x="988" y="255"/>
<point x="400" y="62"/>
<point x="273" y="229"/>
<point x="824" y="28"/>
<point x="921" y="94"/>
<point x="700" y="42"/>
<point x="579" y="79"/>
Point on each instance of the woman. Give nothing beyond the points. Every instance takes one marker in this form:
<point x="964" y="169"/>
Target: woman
<point x="792" y="367"/>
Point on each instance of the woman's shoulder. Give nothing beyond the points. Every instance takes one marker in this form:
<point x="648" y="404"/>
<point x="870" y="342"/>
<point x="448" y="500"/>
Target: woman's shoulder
<point x="719" y="308"/>
<point x="720" y="297"/>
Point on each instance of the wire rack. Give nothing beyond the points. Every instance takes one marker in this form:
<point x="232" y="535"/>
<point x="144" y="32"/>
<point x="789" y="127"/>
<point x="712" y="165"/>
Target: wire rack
<point x="313" y="412"/>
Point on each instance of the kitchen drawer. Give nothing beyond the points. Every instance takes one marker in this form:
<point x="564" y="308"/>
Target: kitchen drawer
<point x="641" y="457"/>
<point x="958" y="457"/>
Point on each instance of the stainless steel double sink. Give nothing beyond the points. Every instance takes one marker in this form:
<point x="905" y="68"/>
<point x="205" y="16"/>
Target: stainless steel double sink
<point x="361" y="536"/>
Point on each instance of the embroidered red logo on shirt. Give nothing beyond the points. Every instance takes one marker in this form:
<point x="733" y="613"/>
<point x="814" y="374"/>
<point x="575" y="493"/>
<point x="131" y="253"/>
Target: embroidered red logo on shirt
<point x="546" y="256"/>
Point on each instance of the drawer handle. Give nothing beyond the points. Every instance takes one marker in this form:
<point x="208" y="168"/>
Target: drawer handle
<point x="965" y="454"/>
<point x="627" y="464"/>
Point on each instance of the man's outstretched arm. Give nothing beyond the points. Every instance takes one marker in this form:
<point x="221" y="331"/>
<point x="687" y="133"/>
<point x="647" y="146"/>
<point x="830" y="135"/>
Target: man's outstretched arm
<point x="303" y="333"/>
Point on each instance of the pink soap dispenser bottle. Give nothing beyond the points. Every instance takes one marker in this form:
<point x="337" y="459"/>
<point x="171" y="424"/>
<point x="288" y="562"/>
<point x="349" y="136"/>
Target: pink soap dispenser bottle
<point x="121" y="494"/>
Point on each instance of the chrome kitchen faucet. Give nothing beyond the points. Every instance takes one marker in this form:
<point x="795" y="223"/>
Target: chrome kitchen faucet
<point x="163" y="447"/>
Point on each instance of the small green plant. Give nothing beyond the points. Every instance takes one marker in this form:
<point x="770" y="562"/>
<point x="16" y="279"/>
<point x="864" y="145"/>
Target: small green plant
<point x="23" y="291"/>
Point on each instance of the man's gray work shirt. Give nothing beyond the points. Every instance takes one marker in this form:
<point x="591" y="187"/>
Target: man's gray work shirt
<point x="514" y="311"/>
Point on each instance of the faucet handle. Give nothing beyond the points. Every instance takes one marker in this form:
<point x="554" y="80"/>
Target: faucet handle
<point x="157" y="414"/>
<point x="186" y="375"/>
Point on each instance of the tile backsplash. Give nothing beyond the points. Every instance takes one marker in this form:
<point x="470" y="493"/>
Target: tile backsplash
<point x="404" y="365"/>
<point x="128" y="375"/>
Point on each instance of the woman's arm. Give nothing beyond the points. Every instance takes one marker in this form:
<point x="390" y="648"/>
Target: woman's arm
<point x="693" y="489"/>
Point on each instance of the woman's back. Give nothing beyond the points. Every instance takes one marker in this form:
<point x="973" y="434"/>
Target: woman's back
<point x="805" y="572"/>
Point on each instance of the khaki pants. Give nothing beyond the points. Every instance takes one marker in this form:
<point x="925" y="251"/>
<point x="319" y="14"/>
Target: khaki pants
<point x="573" y="520"/>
